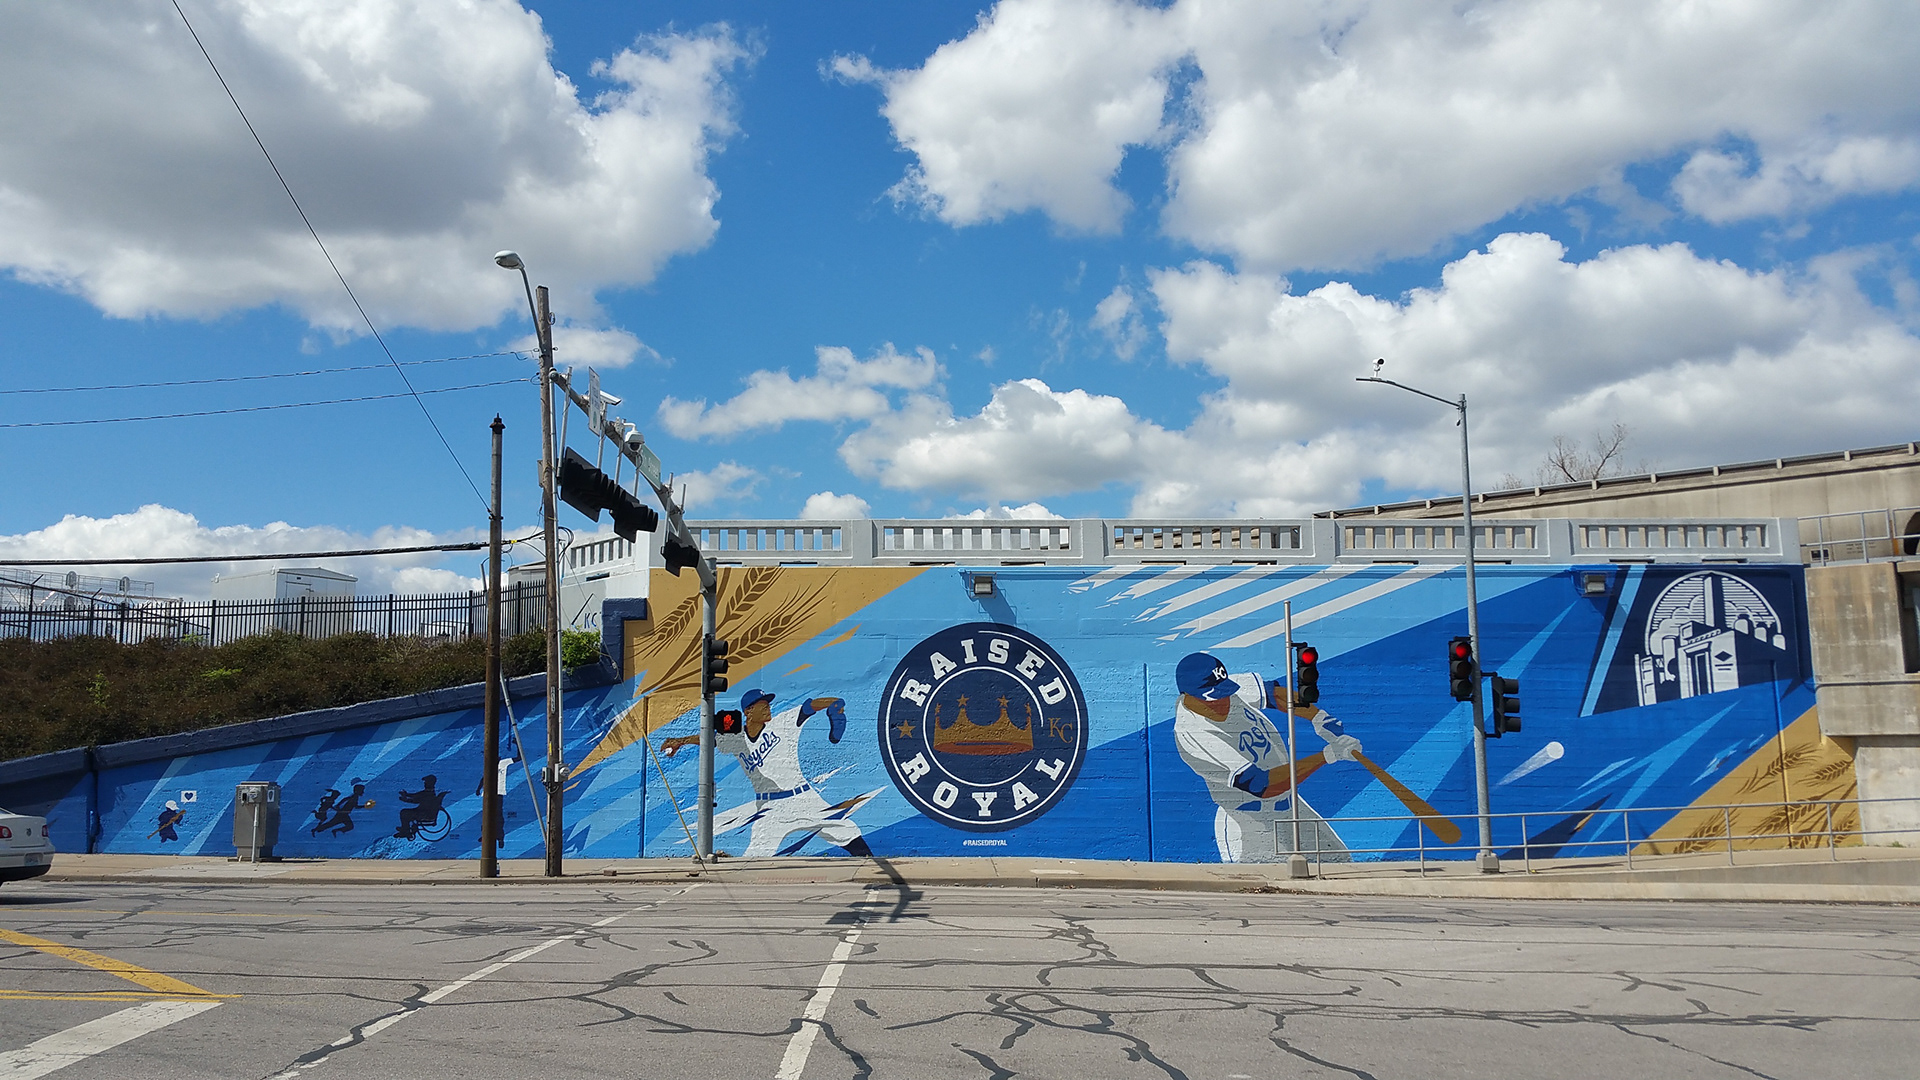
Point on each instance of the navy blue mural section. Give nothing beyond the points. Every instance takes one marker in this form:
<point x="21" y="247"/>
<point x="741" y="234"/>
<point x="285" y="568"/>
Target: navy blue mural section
<point x="1133" y="712"/>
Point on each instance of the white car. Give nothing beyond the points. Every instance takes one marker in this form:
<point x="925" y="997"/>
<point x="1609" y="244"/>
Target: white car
<point x="25" y="850"/>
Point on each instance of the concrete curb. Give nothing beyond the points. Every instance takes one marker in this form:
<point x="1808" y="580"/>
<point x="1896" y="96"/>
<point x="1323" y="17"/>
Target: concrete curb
<point x="1879" y="879"/>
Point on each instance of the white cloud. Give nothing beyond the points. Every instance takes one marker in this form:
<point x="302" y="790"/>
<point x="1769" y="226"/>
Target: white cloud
<point x="604" y="348"/>
<point x="420" y="136"/>
<point x="1724" y="187"/>
<point x="1031" y="111"/>
<point x="1118" y="317"/>
<point x="155" y="531"/>
<point x="725" y="482"/>
<point x="1032" y="511"/>
<point x="827" y="505"/>
<point x="1339" y="133"/>
<point x="1704" y="360"/>
<point x="1028" y="441"/>
<point x="841" y="388"/>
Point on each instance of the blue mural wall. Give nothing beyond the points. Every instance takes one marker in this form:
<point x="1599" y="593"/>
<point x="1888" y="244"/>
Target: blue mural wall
<point x="893" y="711"/>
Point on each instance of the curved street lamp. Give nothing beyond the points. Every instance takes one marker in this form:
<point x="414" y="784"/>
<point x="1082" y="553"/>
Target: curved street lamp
<point x="1489" y="863"/>
<point x="549" y="512"/>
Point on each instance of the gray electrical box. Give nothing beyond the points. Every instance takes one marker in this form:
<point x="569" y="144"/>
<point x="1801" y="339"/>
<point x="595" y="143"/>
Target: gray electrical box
<point x="256" y="819"/>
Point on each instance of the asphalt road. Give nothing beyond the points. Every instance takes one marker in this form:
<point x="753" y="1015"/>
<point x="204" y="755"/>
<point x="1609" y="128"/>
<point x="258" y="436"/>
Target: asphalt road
<point x="715" y="980"/>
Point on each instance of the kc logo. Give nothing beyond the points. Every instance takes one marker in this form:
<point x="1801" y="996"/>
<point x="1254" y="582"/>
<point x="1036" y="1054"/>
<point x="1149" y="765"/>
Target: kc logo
<point x="983" y="727"/>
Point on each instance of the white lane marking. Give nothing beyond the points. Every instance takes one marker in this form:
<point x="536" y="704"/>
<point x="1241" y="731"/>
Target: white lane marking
<point x="76" y="1044"/>
<point x="794" y="1062"/>
<point x="432" y="997"/>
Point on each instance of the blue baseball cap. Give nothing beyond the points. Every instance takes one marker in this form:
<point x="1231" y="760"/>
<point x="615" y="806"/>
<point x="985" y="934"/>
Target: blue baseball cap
<point x="754" y="697"/>
<point x="1205" y="677"/>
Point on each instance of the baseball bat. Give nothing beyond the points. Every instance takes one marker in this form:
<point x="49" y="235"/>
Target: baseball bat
<point x="1436" y="823"/>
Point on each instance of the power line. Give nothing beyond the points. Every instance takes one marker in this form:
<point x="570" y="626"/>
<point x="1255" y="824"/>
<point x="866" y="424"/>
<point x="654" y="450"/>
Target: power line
<point x="252" y="378"/>
<point x="315" y="233"/>
<point x="472" y="545"/>
<point x="254" y="408"/>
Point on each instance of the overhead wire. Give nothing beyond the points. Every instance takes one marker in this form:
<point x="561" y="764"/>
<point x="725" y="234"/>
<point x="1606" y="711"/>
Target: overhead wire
<point x="253" y="408"/>
<point x="315" y="233"/>
<point x="251" y="378"/>
<point x="164" y="560"/>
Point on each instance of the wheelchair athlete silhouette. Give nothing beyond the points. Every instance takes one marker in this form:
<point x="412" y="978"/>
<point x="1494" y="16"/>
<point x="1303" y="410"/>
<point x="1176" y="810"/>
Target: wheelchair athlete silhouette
<point x="427" y="819"/>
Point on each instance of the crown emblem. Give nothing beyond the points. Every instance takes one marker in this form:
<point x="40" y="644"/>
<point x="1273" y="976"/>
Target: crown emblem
<point x="962" y="735"/>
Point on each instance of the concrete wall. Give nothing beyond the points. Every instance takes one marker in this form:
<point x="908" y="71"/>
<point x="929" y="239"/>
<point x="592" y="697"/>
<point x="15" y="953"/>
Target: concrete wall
<point x="912" y="715"/>
<point x="1846" y="482"/>
<point x="1866" y="654"/>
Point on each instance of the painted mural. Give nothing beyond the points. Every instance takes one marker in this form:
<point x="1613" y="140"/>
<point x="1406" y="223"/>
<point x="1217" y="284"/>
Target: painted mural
<point x="1128" y="712"/>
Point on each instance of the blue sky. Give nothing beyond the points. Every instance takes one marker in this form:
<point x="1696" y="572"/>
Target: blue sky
<point x="1080" y="257"/>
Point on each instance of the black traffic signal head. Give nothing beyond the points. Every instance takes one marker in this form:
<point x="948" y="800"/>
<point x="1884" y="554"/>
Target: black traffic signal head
<point x="1306" y="680"/>
<point x="1462" y="673"/>
<point x="676" y="555"/>
<point x="1505" y="703"/>
<point x="727" y="722"/>
<point x="590" y="491"/>
<point x="713" y="665"/>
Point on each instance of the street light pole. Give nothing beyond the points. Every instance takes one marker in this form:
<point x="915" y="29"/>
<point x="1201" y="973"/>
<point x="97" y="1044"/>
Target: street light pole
<point x="1488" y="862"/>
<point x="550" y="519"/>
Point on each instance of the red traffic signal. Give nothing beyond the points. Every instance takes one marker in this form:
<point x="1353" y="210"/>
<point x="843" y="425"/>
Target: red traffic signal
<point x="1463" y="675"/>
<point x="1306" y="678"/>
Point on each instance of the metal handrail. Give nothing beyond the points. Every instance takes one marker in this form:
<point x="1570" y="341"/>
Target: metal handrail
<point x="1423" y="850"/>
<point x="1859" y="536"/>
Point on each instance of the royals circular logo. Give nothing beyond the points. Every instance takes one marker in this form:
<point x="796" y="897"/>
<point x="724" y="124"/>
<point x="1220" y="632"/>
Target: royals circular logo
<point x="983" y="727"/>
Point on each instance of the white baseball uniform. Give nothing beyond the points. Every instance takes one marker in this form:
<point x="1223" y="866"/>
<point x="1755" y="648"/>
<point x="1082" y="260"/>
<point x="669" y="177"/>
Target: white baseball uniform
<point x="1246" y="827"/>
<point x="786" y="802"/>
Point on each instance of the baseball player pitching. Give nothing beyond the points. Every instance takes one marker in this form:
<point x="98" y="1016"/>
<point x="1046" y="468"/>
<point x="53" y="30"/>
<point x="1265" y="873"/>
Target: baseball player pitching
<point x="768" y="749"/>
<point x="1226" y="736"/>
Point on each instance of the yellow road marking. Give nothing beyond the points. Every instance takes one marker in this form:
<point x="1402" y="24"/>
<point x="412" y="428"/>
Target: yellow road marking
<point x="165" y="985"/>
<point x="99" y="995"/>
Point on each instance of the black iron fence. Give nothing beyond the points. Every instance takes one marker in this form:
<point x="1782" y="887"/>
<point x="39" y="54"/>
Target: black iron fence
<point x="216" y="622"/>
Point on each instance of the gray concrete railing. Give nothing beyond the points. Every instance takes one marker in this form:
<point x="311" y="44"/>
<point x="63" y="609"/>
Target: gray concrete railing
<point x="1097" y="541"/>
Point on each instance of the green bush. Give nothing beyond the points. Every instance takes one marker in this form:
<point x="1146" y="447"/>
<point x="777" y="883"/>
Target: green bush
<point x="89" y="690"/>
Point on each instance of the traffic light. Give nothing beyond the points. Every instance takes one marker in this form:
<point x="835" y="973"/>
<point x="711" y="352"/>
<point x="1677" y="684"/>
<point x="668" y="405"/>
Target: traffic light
<point x="727" y="722"/>
<point x="590" y="491"/>
<point x="713" y="665"/>
<point x="1306" y="677"/>
<point x="1506" y="704"/>
<point x="676" y="555"/>
<point x="1462" y="672"/>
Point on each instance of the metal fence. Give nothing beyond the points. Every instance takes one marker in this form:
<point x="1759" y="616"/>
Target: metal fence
<point x="449" y="616"/>
<point x="1666" y="830"/>
<point x="1860" y="536"/>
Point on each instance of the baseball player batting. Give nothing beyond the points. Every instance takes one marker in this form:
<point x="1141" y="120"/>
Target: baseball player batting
<point x="1227" y="737"/>
<point x="768" y="749"/>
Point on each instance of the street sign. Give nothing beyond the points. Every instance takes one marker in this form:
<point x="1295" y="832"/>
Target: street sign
<point x="649" y="464"/>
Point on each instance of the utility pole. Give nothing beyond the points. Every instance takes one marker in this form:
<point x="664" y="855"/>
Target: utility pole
<point x="550" y="514"/>
<point x="490" y="816"/>
<point x="1488" y="862"/>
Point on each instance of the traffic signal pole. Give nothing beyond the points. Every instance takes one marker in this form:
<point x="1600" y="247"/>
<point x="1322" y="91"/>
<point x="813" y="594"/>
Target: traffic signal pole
<point x="1488" y="862"/>
<point x="647" y="467"/>
<point x="704" y="815"/>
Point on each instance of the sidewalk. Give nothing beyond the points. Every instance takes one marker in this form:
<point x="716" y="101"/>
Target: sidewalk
<point x="1849" y="875"/>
